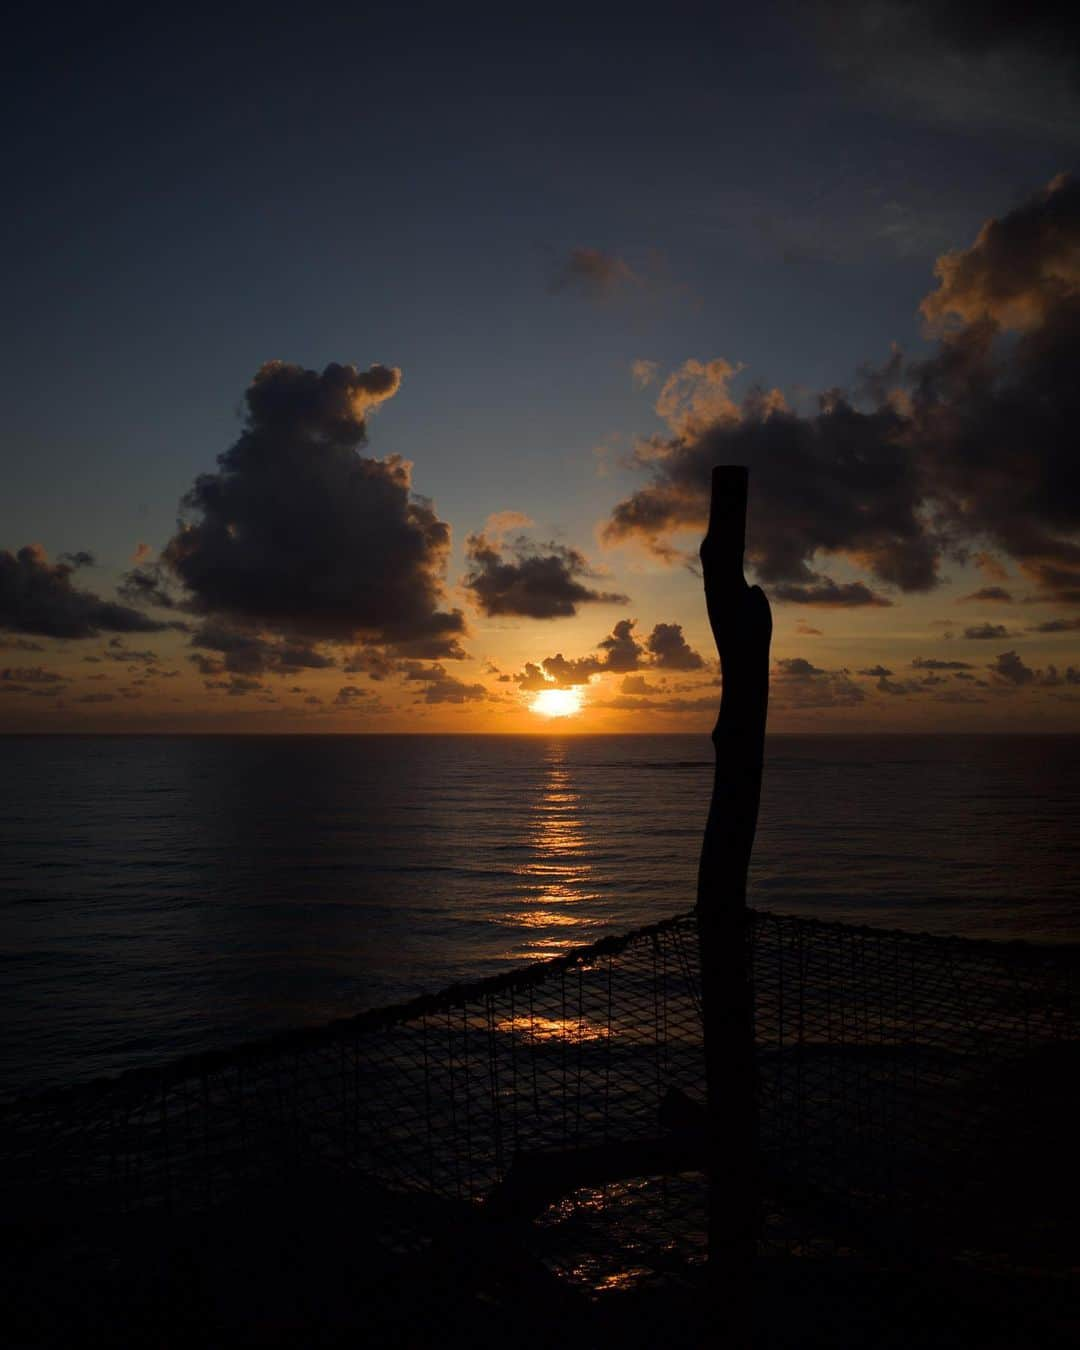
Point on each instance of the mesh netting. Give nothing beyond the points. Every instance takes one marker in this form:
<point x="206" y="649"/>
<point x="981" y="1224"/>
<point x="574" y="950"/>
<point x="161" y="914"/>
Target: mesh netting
<point x="912" y="1096"/>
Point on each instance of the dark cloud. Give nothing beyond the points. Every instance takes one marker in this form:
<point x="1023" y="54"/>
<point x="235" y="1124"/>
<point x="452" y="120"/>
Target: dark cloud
<point x="30" y="675"/>
<point x="246" y="653"/>
<point x="836" y="482"/>
<point x="669" y="650"/>
<point x="1010" y="669"/>
<point x="129" y="656"/>
<point x="665" y="706"/>
<point x="989" y="593"/>
<point x="236" y="686"/>
<point x="567" y="673"/>
<point x="349" y="696"/>
<point x="81" y="558"/>
<point x="596" y="275"/>
<point x="372" y="662"/>
<point x="533" y="582"/>
<point x="299" y="535"/>
<point x="807" y="631"/>
<point x="148" y="584"/>
<point x="621" y="649"/>
<point x="932" y="663"/>
<point x="828" y="594"/>
<point x="37" y="596"/>
<point x="798" y="684"/>
<point x="532" y="678"/>
<point x="975" y="448"/>
<point x="876" y="672"/>
<point x="984" y="632"/>
<point x="442" y="687"/>
<point x="903" y="687"/>
<point x="1057" y="626"/>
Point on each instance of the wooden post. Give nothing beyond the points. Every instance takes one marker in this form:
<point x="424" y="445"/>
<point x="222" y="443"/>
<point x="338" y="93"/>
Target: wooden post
<point x="742" y="626"/>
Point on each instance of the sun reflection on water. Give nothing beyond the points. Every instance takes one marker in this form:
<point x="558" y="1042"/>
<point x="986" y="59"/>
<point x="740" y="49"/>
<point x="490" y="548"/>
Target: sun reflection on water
<point x="573" y="1030"/>
<point x="555" y="882"/>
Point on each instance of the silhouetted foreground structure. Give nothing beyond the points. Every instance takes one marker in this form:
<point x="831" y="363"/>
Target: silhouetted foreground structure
<point x="916" y="1105"/>
<point x="741" y="624"/>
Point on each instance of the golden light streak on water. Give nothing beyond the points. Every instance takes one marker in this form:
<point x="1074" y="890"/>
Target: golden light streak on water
<point x="554" y="883"/>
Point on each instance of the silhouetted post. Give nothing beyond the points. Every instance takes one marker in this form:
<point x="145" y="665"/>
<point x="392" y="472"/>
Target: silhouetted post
<point x="742" y="626"/>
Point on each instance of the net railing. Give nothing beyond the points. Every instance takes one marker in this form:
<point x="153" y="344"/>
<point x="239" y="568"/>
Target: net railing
<point x="914" y="1094"/>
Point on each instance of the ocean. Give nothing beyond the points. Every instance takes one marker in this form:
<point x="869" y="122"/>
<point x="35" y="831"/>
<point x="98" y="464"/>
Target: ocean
<point x="162" y="895"/>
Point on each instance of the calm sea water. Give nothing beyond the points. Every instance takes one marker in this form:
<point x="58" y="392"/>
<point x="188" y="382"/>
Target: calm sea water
<point x="160" y="895"/>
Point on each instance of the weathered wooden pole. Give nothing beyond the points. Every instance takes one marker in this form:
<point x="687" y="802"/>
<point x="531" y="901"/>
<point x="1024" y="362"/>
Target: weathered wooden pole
<point x="742" y="626"/>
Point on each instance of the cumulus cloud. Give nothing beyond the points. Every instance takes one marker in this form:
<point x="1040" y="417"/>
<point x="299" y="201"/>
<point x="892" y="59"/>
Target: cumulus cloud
<point x="974" y="448"/>
<point x="838" y="482"/>
<point x="566" y="673"/>
<point x="665" y="648"/>
<point x="530" y="581"/>
<point x="621" y="649"/>
<point x="37" y="596"/>
<point x="1010" y="669"/>
<point x="669" y="650"/>
<point x="299" y="535"/>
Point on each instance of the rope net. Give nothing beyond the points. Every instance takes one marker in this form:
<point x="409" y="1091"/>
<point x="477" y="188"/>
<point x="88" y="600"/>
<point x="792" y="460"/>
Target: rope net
<point x="912" y="1094"/>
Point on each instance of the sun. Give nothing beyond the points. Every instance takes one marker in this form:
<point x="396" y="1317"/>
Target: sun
<point x="556" y="702"/>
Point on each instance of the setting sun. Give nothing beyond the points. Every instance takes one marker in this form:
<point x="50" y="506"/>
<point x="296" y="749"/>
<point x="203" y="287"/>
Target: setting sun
<point x="557" y="702"/>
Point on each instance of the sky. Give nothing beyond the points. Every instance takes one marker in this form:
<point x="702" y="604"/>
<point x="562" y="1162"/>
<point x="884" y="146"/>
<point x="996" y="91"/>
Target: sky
<point x="363" y="368"/>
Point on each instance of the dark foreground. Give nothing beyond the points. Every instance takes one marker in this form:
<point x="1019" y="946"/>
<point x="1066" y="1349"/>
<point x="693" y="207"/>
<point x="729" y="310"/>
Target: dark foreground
<point x="310" y="1262"/>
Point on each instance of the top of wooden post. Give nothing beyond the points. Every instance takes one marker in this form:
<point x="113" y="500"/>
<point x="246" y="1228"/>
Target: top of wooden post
<point x="725" y="542"/>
